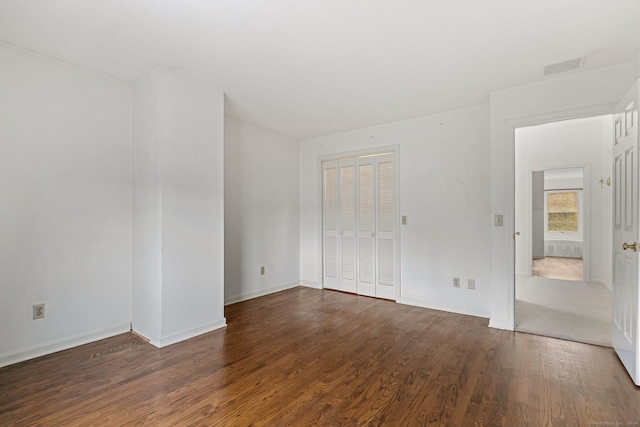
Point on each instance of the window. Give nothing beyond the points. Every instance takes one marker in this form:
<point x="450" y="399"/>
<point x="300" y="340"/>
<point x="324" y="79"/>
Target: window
<point x="562" y="211"/>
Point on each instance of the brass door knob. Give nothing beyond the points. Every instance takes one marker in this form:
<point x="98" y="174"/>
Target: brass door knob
<point x="517" y="233"/>
<point x="633" y="246"/>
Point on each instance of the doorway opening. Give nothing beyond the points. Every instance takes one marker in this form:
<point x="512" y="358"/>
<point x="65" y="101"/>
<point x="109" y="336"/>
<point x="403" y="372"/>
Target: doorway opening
<point x="563" y="219"/>
<point x="559" y="232"/>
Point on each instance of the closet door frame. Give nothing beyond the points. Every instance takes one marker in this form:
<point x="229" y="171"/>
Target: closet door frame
<point x="395" y="150"/>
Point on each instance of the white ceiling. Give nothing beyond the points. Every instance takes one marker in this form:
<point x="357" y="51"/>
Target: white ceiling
<point x="312" y="67"/>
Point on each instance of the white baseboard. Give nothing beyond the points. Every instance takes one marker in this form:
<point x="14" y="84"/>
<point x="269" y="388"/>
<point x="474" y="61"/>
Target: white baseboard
<point x="185" y="335"/>
<point x="314" y="285"/>
<point x="43" y="349"/>
<point x="468" y="311"/>
<point x="499" y="324"/>
<point x="260" y="293"/>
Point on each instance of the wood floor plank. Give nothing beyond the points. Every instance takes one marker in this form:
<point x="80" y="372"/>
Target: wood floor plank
<point x="306" y="357"/>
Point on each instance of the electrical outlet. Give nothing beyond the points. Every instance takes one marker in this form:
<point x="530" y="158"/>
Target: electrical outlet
<point x="405" y="220"/>
<point x="471" y="283"/>
<point x="262" y="270"/>
<point x="38" y="311"/>
<point x="456" y="282"/>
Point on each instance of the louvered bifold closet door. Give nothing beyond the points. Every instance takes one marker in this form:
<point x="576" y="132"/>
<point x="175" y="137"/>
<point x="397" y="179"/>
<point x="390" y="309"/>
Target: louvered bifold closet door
<point x="347" y="225"/>
<point x="366" y="227"/>
<point x="330" y="224"/>
<point x="385" y="227"/>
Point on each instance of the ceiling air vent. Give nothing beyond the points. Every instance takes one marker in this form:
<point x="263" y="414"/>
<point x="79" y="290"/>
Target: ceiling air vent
<point x="563" y="67"/>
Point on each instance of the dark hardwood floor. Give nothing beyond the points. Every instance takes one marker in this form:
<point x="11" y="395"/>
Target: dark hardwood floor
<point x="306" y="357"/>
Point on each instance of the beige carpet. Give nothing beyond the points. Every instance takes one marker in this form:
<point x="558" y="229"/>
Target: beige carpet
<point x="570" y="310"/>
<point x="558" y="268"/>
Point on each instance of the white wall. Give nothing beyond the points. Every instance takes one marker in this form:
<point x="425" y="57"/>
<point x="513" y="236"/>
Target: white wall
<point x="261" y="211"/>
<point x="564" y="144"/>
<point x="586" y="93"/>
<point x="179" y="208"/>
<point x="147" y="208"/>
<point x="444" y="191"/>
<point x="637" y="66"/>
<point x="65" y="210"/>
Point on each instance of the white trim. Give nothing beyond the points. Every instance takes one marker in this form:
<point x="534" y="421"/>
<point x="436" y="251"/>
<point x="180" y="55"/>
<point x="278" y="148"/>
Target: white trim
<point x="586" y="221"/>
<point x="38" y="350"/>
<point x="467" y="311"/>
<point x="186" y="334"/>
<point x="559" y="116"/>
<point x="398" y="224"/>
<point x="388" y="149"/>
<point x="260" y="293"/>
<point x="498" y="324"/>
<point x="313" y="285"/>
<point x="320" y="174"/>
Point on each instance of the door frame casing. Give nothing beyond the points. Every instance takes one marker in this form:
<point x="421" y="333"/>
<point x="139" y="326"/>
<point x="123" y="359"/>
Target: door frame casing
<point x="396" y="176"/>
<point x="595" y="110"/>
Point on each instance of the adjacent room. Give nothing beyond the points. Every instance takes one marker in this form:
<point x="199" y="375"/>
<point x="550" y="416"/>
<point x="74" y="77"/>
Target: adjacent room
<point x="564" y="229"/>
<point x="319" y="213"/>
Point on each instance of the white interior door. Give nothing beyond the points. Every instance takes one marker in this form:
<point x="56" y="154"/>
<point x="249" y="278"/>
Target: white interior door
<point x="347" y="227"/>
<point x="366" y="228"/>
<point x="360" y="225"/>
<point x="385" y="224"/>
<point x="330" y="249"/>
<point x="626" y="302"/>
